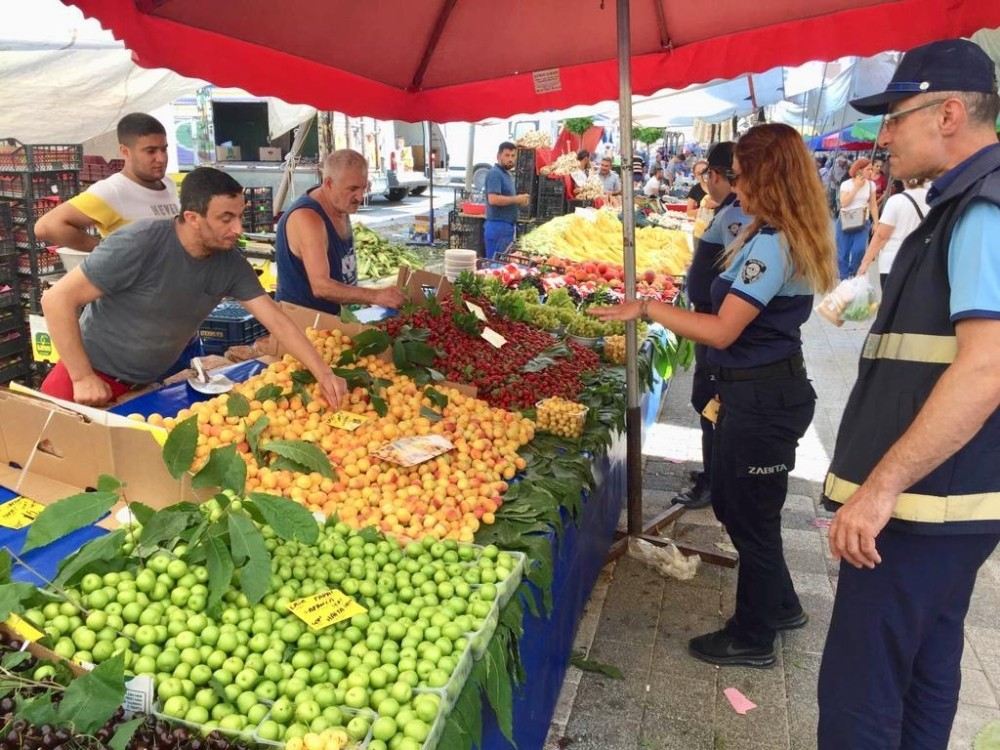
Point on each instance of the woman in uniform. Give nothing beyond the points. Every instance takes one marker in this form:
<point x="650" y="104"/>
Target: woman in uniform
<point x="760" y="301"/>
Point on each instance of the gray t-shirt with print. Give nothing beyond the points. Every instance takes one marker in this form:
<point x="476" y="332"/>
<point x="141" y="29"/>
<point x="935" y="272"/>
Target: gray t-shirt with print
<point x="155" y="296"/>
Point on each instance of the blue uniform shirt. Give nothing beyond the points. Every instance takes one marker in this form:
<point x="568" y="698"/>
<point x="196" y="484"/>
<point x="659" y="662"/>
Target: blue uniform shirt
<point x="293" y="282"/>
<point x="729" y="219"/>
<point x="762" y="274"/>
<point x="499" y="182"/>
<point x="974" y="263"/>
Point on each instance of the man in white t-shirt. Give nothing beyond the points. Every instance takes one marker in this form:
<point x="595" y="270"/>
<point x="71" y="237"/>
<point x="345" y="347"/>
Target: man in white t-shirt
<point x="654" y="185"/>
<point x="902" y="213"/>
<point x="139" y="191"/>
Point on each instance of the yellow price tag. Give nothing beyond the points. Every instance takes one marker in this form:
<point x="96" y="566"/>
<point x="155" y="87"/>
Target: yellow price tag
<point x="328" y="608"/>
<point x="345" y="420"/>
<point x="19" y="512"/>
<point x="23" y="628"/>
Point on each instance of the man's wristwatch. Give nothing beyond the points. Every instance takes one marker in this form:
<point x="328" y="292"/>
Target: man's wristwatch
<point x="644" y="310"/>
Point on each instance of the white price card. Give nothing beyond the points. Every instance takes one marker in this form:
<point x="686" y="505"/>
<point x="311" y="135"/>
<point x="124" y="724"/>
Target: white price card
<point x="493" y="337"/>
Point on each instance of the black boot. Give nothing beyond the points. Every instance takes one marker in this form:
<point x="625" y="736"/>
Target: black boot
<point x="696" y="496"/>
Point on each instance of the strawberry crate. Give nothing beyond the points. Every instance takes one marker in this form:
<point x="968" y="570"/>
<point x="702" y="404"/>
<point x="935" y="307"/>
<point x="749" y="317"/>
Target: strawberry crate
<point x="63" y="185"/>
<point x="46" y="262"/>
<point x="19" y="157"/>
<point x="15" y="366"/>
<point x="30" y="211"/>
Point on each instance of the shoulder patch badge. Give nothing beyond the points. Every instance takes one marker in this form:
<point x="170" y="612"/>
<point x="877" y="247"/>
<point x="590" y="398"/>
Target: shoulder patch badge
<point x="753" y="269"/>
<point x="734" y="229"/>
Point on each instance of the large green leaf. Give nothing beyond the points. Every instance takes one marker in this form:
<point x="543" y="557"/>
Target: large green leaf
<point x="253" y="436"/>
<point x="123" y="734"/>
<point x="38" y="711"/>
<point x="101" y="550"/>
<point x="225" y="468"/>
<point x="437" y="398"/>
<point x="108" y="483"/>
<point x="219" y="562"/>
<point x="498" y="687"/>
<point x="90" y="700"/>
<point x="372" y="341"/>
<point x="268" y="393"/>
<point x="288" y="519"/>
<point x="251" y="556"/>
<point x="13" y="597"/>
<point x="178" y="451"/>
<point x="237" y="405"/>
<point x="302" y="453"/>
<point x="5" y="566"/>
<point x="68" y="515"/>
<point x="165" y="526"/>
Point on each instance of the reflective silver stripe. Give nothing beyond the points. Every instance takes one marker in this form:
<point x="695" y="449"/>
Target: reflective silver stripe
<point x="911" y="347"/>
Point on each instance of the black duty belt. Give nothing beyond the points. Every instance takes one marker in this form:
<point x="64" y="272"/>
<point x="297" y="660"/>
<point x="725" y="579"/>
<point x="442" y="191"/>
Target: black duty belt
<point x="793" y="366"/>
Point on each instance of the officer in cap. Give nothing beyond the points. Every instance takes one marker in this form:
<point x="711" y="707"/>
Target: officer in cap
<point x="915" y="473"/>
<point x="729" y="219"/>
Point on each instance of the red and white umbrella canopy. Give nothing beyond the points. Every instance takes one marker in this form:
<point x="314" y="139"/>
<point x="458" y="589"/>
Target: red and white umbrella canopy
<point x="446" y="60"/>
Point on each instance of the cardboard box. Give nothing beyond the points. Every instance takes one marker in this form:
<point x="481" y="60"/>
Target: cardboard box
<point x="418" y="285"/>
<point x="51" y="449"/>
<point x="42" y="653"/>
<point x="228" y="153"/>
<point x="270" y="153"/>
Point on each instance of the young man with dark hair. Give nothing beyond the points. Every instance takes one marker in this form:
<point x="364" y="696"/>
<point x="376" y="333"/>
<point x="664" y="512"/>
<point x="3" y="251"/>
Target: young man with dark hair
<point x="139" y="191"/>
<point x="502" y="201"/>
<point x="145" y="290"/>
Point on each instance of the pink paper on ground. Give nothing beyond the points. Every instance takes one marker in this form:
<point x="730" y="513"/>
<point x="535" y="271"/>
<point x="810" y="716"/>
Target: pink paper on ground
<point x="740" y="703"/>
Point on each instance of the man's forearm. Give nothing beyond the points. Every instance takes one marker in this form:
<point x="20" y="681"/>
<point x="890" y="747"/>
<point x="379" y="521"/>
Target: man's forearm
<point x="64" y="328"/>
<point x="67" y="235"/>
<point x="345" y="294"/>
<point x="962" y="400"/>
<point x="495" y="199"/>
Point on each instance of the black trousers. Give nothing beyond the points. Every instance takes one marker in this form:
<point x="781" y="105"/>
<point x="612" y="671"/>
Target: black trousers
<point x="703" y="391"/>
<point x="759" y="427"/>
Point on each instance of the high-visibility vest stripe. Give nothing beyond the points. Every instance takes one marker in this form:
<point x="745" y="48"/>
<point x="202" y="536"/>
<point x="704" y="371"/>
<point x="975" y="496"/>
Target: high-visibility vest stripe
<point x="912" y="506"/>
<point x="911" y="347"/>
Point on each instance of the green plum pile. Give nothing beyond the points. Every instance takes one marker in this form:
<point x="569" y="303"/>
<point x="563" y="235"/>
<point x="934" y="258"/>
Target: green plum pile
<point x="388" y="675"/>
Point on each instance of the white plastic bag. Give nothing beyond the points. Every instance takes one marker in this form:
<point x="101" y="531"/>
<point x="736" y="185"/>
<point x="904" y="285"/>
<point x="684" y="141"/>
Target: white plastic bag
<point x="854" y="299"/>
<point x="668" y="561"/>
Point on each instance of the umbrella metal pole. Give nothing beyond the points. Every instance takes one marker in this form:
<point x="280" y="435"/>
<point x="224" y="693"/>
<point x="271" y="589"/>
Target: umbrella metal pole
<point x="633" y="415"/>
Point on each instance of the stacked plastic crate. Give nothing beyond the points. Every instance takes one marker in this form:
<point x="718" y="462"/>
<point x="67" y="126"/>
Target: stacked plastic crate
<point x="14" y="360"/>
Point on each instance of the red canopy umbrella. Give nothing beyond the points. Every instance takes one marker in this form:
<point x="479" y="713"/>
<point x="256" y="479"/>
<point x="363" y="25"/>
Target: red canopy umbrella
<point x="447" y="60"/>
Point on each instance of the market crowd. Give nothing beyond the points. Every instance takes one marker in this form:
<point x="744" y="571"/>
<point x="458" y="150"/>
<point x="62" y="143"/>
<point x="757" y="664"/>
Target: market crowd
<point x="914" y="479"/>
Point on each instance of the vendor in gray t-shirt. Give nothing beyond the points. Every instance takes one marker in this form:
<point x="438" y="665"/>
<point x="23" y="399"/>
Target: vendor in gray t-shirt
<point x="147" y="288"/>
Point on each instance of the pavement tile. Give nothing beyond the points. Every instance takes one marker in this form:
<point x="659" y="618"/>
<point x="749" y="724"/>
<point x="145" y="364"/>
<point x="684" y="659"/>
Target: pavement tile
<point x="977" y="690"/>
<point x="969" y="720"/>
<point x="984" y="606"/>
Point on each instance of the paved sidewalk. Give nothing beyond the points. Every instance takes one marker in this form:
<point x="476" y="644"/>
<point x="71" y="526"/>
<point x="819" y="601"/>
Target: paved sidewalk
<point x="640" y="622"/>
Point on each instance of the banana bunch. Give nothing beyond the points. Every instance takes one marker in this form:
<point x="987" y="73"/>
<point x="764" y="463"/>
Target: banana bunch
<point x="581" y="238"/>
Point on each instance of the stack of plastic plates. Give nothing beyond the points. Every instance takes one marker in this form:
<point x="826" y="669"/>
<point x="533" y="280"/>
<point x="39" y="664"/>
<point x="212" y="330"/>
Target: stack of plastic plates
<point x="456" y="261"/>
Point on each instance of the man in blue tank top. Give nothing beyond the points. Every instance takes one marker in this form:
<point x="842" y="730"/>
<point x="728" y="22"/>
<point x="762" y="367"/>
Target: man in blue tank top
<point x="314" y="248"/>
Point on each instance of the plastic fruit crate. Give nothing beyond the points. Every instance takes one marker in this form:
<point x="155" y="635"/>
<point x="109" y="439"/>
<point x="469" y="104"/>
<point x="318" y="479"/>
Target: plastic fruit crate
<point x="63" y="185"/>
<point x="19" y="157"/>
<point x="229" y="325"/>
<point x="14" y="367"/>
<point x="30" y="211"/>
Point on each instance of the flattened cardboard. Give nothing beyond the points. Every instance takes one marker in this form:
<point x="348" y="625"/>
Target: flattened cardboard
<point x="50" y="449"/>
<point x="44" y="654"/>
<point x="416" y="285"/>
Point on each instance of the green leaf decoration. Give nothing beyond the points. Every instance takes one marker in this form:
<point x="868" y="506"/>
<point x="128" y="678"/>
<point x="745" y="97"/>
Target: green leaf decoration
<point x="370" y="534"/>
<point x="355" y="377"/>
<point x="253" y="436"/>
<point x="237" y="405"/>
<point x="67" y="515"/>
<point x="13" y="597"/>
<point x="267" y="393"/>
<point x="499" y="690"/>
<point x="372" y="341"/>
<point x="303" y="453"/>
<point x="251" y="556"/>
<point x="5" y="565"/>
<point x="38" y="710"/>
<point x="347" y="314"/>
<point x="288" y="519"/>
<point x="225" y="468"/>
<point x="430" y="414"/>
<point x="165" y="526"/>
<point x="347" y="357"/>
<point x="90" y="700"/>
<point x="379" y="405"/>
<point x="178" y="451"/>
<point x="142" y="513"/>
<point x="14" y="659"/>
<point x="108" y="483"/>
<point x="123" y="734"/>
<point x="579" y="661"/>
<point x="303" y="377"/>
<point x="219" y="562"/>
<point x="436" y="397"/>
<point x="286" y="464"/>
<point x="104" y="549"/>
<point x="548" y="358"/>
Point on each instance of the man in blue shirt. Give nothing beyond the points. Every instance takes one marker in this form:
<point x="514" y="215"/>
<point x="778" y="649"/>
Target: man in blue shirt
<point x="915" y="471"/>
<point x="502" y="201"/>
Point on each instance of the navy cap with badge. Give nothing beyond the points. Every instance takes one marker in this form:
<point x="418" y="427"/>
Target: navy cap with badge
<point x="720" y="156"/>
<point x="948" y="65"/>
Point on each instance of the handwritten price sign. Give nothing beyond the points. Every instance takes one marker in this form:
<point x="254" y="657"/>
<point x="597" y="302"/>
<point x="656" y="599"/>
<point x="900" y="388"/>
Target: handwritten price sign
<point x="328" y="608"/>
